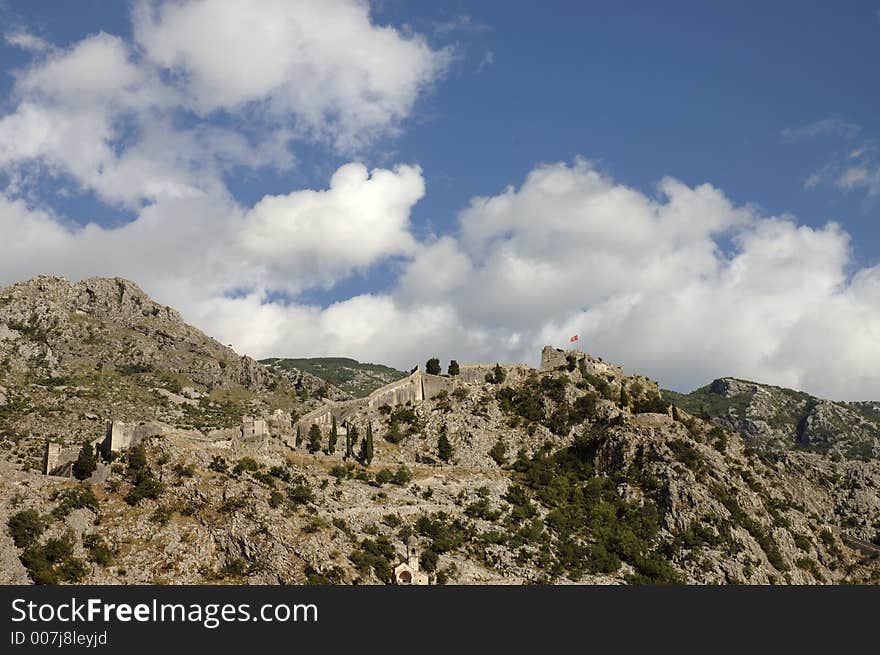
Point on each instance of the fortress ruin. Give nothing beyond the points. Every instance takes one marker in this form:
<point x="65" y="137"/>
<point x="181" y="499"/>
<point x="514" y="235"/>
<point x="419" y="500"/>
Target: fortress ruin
<point x="254" y="433"/>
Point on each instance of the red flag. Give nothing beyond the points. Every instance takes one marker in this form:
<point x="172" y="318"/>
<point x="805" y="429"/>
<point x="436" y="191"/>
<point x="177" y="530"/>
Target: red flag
<point x="573" y="339"/>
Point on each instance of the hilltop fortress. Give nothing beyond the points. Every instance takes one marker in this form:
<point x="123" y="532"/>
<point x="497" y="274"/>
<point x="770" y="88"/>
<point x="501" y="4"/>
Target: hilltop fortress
<point x="257" y="434"/>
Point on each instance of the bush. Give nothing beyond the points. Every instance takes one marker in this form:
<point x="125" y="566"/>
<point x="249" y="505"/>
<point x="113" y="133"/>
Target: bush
<point x="460" y="393"/>
<point x="276" y="498"/>
<point x="185" y="471"/>
<point x="300" y="495"/>
<point x="394" y="435"/>
<point x="686" y="454"/>
<point x="80" y="498"/>
<point x="246" y="464"/>
<point x="97" y="548"/>
<point x="25" y="527"/>
<point x="339" y="471"/>
<point x="376" y="555"/>
<point x="145" y="486"/>
<point x="218" y="464"/>
<point x="402" y="476"/>
<point x="53" y="562"/>
<point x="384" y="476"/>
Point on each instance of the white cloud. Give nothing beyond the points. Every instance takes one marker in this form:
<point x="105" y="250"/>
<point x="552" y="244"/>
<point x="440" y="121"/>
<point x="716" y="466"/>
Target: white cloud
<point x="317" y="237"/>
<point x="643" y="279"/>
<point x="116" y="117"/>
<point x="27" y="41"/>
<point x="324" y="63"/>
<point x="824" y="127"/>
<point x="681" y="283"/>
<point x="487" y="60"/>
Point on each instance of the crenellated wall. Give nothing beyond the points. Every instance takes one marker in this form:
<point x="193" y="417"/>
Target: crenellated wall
<point x="413" y="389"/>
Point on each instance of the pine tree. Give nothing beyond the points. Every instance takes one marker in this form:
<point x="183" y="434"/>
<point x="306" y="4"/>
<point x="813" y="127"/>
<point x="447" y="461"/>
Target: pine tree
<point x="500" y="375"/>
<point x="334" y="436"/>
<point x="432" y="366"/>
<point x="86" y="463"/>
<point x="314" y="438"/>
<point x="454" y="368"/>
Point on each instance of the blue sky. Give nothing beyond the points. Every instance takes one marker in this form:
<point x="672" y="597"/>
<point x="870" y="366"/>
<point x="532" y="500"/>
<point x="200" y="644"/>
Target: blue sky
<point x="773" y="106"/>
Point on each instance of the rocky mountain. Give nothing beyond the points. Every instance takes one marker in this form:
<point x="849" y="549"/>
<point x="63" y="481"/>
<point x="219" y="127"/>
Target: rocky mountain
<point x="575" y="472"/>
<point x="350" y="375"/>
<point x="784" y="418"/>
<point x="74" y="355"/>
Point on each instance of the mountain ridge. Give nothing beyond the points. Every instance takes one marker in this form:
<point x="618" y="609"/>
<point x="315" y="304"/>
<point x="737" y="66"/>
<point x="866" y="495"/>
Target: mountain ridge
<point x="574" y="472"/>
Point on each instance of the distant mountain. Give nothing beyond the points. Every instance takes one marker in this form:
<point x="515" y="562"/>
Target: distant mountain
<point x="350" y="375"/>
<point x="785" y="418"/>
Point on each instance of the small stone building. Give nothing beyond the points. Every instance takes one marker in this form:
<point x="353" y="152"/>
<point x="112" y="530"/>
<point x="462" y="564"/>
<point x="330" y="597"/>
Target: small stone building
<point x="407" y="573"/>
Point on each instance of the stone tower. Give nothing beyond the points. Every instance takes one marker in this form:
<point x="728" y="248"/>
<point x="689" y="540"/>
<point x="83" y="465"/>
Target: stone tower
<point x="412" y="554"/>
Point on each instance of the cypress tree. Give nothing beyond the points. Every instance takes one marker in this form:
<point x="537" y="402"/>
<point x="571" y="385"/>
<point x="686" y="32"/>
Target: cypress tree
<point x="350" y="439"/>
<point x="86" y="463"/>
<point x="299" y="436"/>
<point x="454" y="368"/>
<point x="334" y="435"/>
<point x="314" y="438"/>
<point x="444" y="447"/>
<point x="366" y="454"/>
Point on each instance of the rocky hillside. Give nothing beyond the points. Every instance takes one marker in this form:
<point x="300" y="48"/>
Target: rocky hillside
<point x="783" y="418"/>
<point x="350" y="375"/>
<point x="574" y="473"/>
<point x="73" y="355"/>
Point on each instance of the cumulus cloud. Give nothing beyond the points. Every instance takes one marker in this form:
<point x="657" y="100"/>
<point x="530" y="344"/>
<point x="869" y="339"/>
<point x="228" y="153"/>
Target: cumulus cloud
<point x="644" y="279"/>
<point x="136" y="122"/>
<point x="310" y="237"/>
<point x="679" y="283"/>
<point x="341" y="76"/>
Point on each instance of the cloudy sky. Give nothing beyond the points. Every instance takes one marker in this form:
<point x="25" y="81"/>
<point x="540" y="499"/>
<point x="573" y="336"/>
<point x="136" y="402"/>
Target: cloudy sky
<point x="694" y="192"/>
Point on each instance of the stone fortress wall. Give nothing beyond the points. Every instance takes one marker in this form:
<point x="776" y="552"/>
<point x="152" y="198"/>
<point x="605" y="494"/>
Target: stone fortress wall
<point x="413" y="389"/>
<point x="254" y="432"/>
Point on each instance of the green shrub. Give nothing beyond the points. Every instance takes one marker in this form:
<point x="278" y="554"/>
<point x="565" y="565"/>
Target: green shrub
<point x="145" y="486"/>
<point x="25" y="527"/>
<point x="99" y="551"/>
<point x="402" y="476"/>
<point x="384" y="476"/>
<point x="300" y="495"/>
<point x="276" y="498"/>
<point x="246" y="464"/>
<point x="79" y="498"/>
